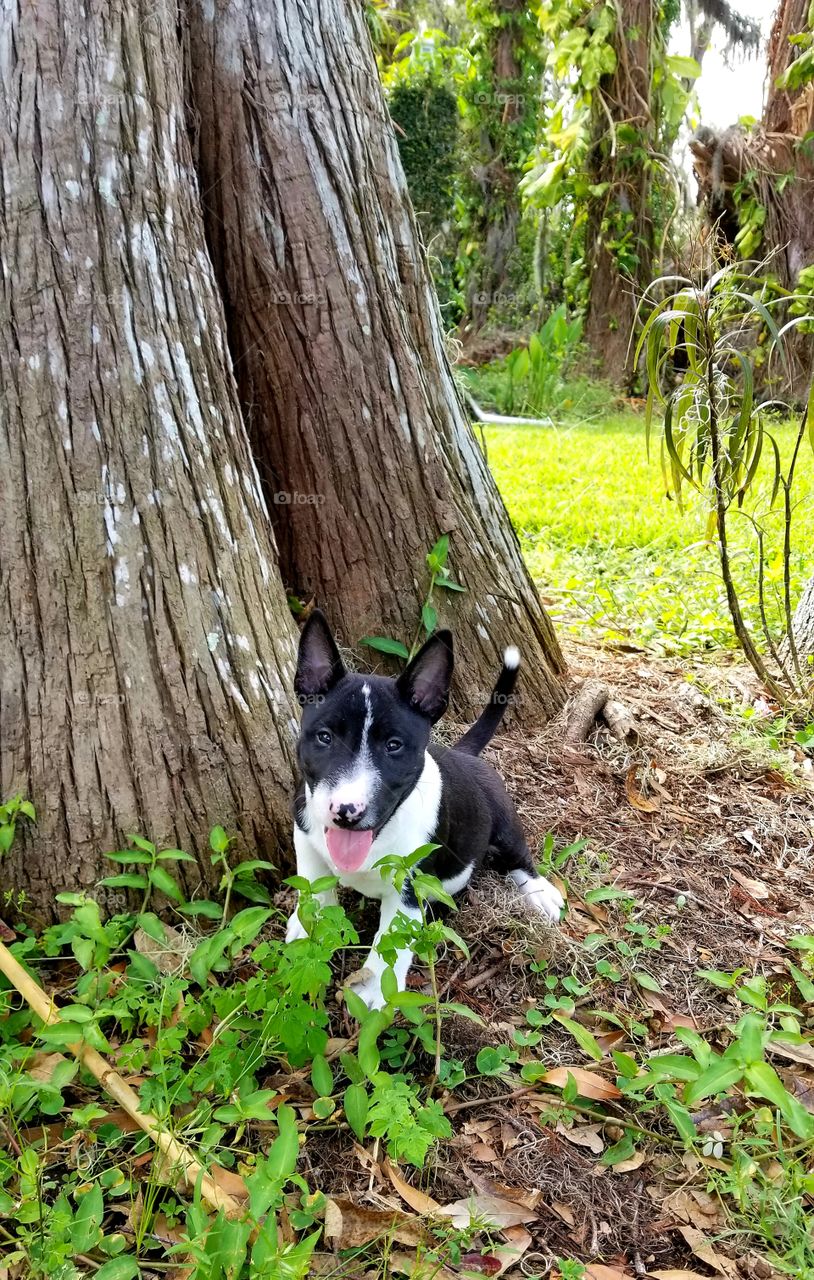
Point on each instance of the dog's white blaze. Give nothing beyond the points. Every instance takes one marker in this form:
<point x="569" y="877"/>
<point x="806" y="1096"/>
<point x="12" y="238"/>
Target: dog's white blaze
<point x="411" y="826"/>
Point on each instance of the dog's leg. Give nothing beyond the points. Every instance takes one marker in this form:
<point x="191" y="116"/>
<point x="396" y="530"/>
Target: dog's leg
<point x="370" y="986"/>
<point x="311" y="867"/>
<point x="513" y="859"/>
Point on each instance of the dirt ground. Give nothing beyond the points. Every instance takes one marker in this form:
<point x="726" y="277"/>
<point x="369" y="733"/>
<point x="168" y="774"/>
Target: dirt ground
<point x="711" y="831"/>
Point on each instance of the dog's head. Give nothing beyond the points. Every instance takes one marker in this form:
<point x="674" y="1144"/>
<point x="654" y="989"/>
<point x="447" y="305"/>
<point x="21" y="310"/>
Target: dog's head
<point x="364" y="738"/>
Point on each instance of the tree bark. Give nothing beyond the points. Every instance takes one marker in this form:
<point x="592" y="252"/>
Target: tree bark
<point x="497" y="177"/>
<point x="787" y="110"/>
<point x="803" y="623"/>
<point x="147" y="651"/>
<point x="338" y="346"/>
<point x="624" y="208"/>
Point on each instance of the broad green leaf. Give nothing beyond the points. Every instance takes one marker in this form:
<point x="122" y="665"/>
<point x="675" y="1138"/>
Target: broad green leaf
<point x="719" y="1076"/>
<point x="321" y="1076"/>
<point x="127" y="880"/>
<point x="125" y="1267"/>
<point x="355" y="1103"/>
<point x="87" y="1222"/>
<point x="583" y="1037"/>
<point x="384" y="644"/>
<point x="165" y="883"/>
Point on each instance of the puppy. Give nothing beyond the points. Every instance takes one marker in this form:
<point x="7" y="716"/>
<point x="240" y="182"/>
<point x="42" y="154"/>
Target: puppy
<point x="372" y="785"/>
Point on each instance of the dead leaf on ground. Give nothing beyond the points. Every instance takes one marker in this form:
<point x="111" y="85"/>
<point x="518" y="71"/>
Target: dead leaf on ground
<point x="803" y="1053"/>
<point x="563" y="1211"/>
<point x="413" y="1196"/>
<point x="169" y="956"/>
<point x="695" y="1207"/>
<point x="230" y="1182"/>
<point x="627" y="1166"/>
<point x="583" y="1135"/>
<point x="44" y="1065"/>
<point x="757" y="888"/>
<point x="704" y="1249"/>
<point x="407" y="1264"/>
<point x="484" y="1207"/>
<point x="518" y="1240"/>
<point x="672" y="1274"/>
<point x="349" y="1225"/>
<point x="483" y="1153"/>
<point x="589" y="1084"/>
<point x="598" y="1271"/>
<point x="635" y="797"/>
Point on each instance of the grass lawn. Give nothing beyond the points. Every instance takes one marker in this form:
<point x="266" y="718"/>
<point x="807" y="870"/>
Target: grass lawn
<point x="607" y="545"/>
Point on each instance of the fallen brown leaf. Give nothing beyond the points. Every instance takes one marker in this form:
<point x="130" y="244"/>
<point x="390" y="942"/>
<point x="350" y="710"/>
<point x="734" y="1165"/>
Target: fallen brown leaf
<point x="518" y="1240"/>
<point x="676" y="1275"/>
<point x="169" y="956"/>
<point x="563" y="1211"/>
<point x="635" y="797"/>
<point x="584" y="1135"/>
<point x="598" y="1271"/>
<point x="695" y="1207"/>
<point x="44" y="1065"/>
<point x="589" y="1084"/>
<point x="627" y="1166"/>
<point x="230" y="1182"/>
<point x="412" y="1196"/>
<point x="703" y="1249"/>
<point x="803" y="1053"/>
<point x="482" y="1206"/>
<point x="349" y="1225"/>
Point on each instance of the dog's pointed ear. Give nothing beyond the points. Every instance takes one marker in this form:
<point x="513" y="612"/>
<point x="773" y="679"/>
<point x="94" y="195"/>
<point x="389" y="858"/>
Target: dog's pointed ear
<point x="319" y="665"/>
<point x="424" y="685"/>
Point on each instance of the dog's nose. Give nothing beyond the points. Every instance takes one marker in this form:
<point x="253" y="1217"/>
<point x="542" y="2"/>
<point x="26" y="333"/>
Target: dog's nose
<point x="347" y="814"/>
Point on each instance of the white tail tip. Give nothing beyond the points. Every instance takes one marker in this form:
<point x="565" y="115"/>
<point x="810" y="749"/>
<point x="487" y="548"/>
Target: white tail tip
<point x="511" y="657"/>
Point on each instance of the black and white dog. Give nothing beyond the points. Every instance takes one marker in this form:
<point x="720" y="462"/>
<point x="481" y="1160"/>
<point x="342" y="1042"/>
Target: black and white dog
<point x="372" y="786"/>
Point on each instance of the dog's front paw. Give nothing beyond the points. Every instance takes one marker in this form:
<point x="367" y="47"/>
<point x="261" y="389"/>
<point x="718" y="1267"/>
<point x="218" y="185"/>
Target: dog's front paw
<point x="541" y="895"/>
<point x="368" y="987"/>
<point x="295" y="929"/>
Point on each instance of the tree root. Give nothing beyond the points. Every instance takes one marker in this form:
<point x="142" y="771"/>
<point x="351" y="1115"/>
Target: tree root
<point x="591" y="702"/>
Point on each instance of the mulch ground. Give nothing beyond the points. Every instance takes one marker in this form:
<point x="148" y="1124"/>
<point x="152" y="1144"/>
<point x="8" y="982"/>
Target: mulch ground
<point x="712" y="833"/>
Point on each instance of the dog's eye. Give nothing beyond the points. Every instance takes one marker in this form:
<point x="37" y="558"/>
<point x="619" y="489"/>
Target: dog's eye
<point x="392" y="745"/>
<point x="324" y="737"/>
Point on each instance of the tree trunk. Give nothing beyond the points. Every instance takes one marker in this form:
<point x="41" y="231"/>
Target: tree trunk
<point x="619" y="224"/>
<point x="803" y="623"/>
<point x="146" y="648"/>
<point x="500" y="108"/>
<point x="787" y="110"/>
<point x="774" y="164"/>
<point x="337" y="343"/>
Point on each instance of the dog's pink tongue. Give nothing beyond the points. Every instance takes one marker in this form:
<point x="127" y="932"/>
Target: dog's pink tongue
<point x="348" y="849"/>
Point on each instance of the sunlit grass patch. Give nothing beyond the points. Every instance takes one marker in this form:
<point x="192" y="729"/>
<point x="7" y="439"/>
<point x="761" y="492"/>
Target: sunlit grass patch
<point x="606" y="542"/>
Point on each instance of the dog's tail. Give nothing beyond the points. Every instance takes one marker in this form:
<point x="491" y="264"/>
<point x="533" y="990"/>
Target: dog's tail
<point x="486" y="725"/>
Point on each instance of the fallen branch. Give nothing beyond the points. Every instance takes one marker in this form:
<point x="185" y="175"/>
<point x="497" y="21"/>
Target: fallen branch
<point x="175" y="1153"/>
<point x="583" y="710"/>
<point x="620" y="722"/>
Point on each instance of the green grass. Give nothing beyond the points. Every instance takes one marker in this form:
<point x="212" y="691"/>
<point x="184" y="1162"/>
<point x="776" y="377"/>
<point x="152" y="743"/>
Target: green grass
<point x="607" y="545"/>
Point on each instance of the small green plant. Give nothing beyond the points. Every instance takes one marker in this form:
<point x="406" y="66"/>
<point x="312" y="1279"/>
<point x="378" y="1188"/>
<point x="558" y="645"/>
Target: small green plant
<point x="440" y="577"/>
<point x="536" y="372"/>
<point x="715" y="436"/>
<point x="10" y="814"/>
